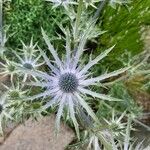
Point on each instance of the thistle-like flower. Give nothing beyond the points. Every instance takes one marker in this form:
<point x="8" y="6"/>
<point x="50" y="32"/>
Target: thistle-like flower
<point x="5" y="111"/>
<point x="28" y="59"/>
<point x="128" y="143"/>
<point x="15" y="95"/>
<point x="97" y="137"/>
<point x="15" y="92"/>
<point x="69" y="82"/>
<point x="8" y="69"/>
<point x="116" y="125"/>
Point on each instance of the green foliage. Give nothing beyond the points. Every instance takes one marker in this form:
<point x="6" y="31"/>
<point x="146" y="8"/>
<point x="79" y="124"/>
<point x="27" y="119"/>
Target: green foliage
<point x="26" y="17"/>
<point x="119" y="90"/>
<point x="123" y="29"/>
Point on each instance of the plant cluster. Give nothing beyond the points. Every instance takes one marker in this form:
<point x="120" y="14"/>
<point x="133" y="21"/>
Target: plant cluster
<point x="68" y="84"/>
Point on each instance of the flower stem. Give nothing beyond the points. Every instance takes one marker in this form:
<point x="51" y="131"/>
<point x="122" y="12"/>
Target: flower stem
<point x="1" y="21"/>
<point x="99" y="9"/>
<point x="77" y="23"/>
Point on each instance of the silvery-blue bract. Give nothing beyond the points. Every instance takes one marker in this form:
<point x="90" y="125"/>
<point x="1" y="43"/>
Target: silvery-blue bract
<point x="69" y="83"/>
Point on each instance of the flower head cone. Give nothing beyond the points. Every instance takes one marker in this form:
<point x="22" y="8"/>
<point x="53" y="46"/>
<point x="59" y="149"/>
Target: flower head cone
<point x="8" y="68"/>
<point x="29" y="58"/>
<point x="68" y="83"/>
<point x="16" y="93"/>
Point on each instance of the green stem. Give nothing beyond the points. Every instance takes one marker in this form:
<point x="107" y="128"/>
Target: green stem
<point x="1" y="21"/>
<point x="99" y="9"/>
<point x="77" y="23"/>
<point x="127" y="137"/>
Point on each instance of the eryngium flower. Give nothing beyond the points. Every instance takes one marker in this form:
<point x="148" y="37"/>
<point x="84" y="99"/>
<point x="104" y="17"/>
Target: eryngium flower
<point x="15" y="92"/>
<point x="8" y="69"/>
<point x="68" y="84"/>
<point x="15" y="95"/>
<point x="29" y="58"/>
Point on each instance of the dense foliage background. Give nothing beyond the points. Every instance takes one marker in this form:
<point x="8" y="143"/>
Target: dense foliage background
<point x="25" y="19"/>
